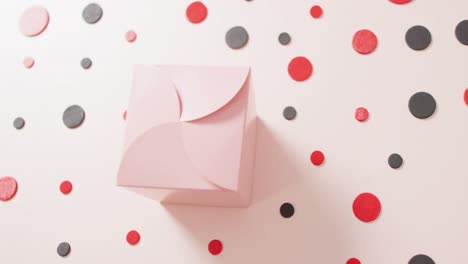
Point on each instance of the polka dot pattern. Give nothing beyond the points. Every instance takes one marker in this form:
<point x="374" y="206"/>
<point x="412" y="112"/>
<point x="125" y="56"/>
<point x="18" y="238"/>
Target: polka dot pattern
<point x="422" y="105"/>
<point x="196" y="12"/>
<point x="34" y="21"/>
<point x="215" y="247"/>
<point x="361" y="114"/>
<point x="421" y="259"/>
<point x="287" y="210"/>
<point x="237" y="37"/>
<point x="353" y="261"/>
<point x="364" y="41"/>
<point x="316" y="11"/>
<point x="317" y="157"/>
<point x="8" y="188"/>
<point x="28" y="62"/>
<point x="131" y="36"/>
<point x="66" y="187"/>
<point x="366" y="207"/>
<point x="418" y="38"/>
<point x="133" y="237"/>
<point x="300" y="69"/>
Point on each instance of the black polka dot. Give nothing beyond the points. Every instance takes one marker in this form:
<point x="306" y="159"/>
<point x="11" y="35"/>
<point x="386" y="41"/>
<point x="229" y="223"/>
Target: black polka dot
<point x="63" y="249"/>
<point x="92" y="13"/>
<point x="86" y="63"/>
<point x="421" y="259"/>
<point x="422" y="105"/>
<point x="289" y="113"/>
<point x="461" y="32"/>
<point x="284" y="38"/>
<point x="395" y="161"/>
<point x="287" y="210"/>
<point x="73" y="116"/>
<point x="418" y="38"/>
<point x="237" y="37"/>
<point x="19" y="123"/>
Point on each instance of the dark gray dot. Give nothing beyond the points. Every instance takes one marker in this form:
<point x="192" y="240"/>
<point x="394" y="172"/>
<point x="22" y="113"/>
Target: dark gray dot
<point x="289" y="113"/>
<point x="284" y="38"/>
<point x="86" y="63"/>
<point x="395" y="161"/>
<point x="418" y="38"/>
<point x="287" y="210"/>
<point x="237" y="37"/>
<point x="19" y="123"/>
<point x="422" y="105"/>
<point x="92" y="13"/>
<point x="63" y="249"/>
<point x="421" y="259"/>
<point x="462" y="32"/>
<point x="73" y="116"/>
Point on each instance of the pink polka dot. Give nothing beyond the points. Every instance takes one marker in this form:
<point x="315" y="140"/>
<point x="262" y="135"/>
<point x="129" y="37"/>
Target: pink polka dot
<point x="400" y="2"/>
<point x="353" y="261"/>
<point x="8" y="188"/>
<point x="317" y="158"/>
<point x="28" y="62"/>
<point x="215" y="247"/>
<point x="300" y="69"/>
<point x="316" y="11"/>
<point x="196" y="12"/>
<point x="466" y="96"/>
<point x="364" y="41"/>
<point x="34" y="21"/>
<point x="361" y="114"/>
<point x="124" y="116"/>
<point x="367" y="207"/>
<point x="133" y="237"/>
<point x="131" y="36"/>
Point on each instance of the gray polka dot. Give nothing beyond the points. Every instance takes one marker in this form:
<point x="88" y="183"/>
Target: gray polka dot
<point x="289" y="113"/>
<point x="63" y="249"/>
<point x="395" y="161"/>
<point x="73" y="116"/>
<point x="461" y="32"/>
<point x="418" y="38"/>
<point x="92" y="13"/>
<point x="86" y="63"/>
<point x="237" y="37"/>
<point x="19" y="123"/>
<point x="284" y="38"/>
<point x="421" y="259"/>
<point x="422" y="105"/>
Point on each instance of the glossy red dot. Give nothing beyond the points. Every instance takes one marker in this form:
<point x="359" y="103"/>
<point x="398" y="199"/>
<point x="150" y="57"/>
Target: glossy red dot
<point x="367" y="207"/>
<point x="300" y="69"/>
<point x="133" y="237"/>
<point x="400" y="2"/>
<point x="317" y="157"/>
<point x="316" y="11"/>
<point x="466" y="96"/>
<point x="8" y="188"/>
<point x="361" y="114"/>
<point x="130" y="36"/>
<point x="353" y="261"/>
<point x="66" y="187"/>
<point x="215" y="247"/>
<point x="196" y="12"/>
<point x="364" y="41"/>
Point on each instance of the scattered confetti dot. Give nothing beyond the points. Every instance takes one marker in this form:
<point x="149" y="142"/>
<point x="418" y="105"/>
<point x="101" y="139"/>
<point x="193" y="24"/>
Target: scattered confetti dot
<point x="317" y="157"/>
<point x="421" y="259"/>
<point x="364" y="41"/>
<point x="287" y="210"/>
<point x="418" y="38"/>
<point x="86" y="63"/>
<point x="366" y="207"/>
<point x="63" y="249"/>
<point x="19" y="123"/>
<point x="34" y="21"/>
<point x="28" y="62"/>
<point x="133" y="237"/>
<point x="461" y="32"/>
<point x="400" y="2"/>
<point x="215" y="247"/>
<point x="289" y="113"/>
<point x="92" y="13"/>
<point x="353" y="261"/>
<point x="300" y="69"/>
<point x="422" y="105"/>
<point x="196" y="12"/>
<point x="284" y="38"/>
<point x="237" y="37"/>
<point x="395" y="161"/>
<point x="465" y="96"/>
<point x="8" y="188"/>
<point x="130" y="36"/>
<point x="66" y="187"/>
<point x="361" y="114"/>
<point x="124" y="115"/>
<point x="73" y="116"/>
<point x="316" y="11"/>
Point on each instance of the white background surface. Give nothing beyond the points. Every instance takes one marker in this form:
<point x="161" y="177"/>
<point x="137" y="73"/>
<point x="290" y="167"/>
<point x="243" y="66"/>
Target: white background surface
<point x="424" y="203"/>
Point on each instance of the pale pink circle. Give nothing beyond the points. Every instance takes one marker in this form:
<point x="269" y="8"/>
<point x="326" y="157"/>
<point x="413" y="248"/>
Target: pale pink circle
<point x="28" y="62"/>
<point x="34" y="21"/>
<point x="131" y="36"/>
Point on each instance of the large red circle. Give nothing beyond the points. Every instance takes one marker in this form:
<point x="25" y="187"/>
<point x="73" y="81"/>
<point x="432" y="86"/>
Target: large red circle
<point x="364" y="41"/>
<point x="196" y="12"/>
<point x="400" y="2"/>
<point x="66" y="187"/>
<point x="353" y="261"/>
<point x="316" y="11"/>
<point x="466" y="96"/>
<point x="300" y="69"/>
<point x="133" y="237"/>
<point x="8" y="188"/>
<point x="317" y="158"/>
<point x="367" y="207"/>
<point x="215" y="247"/>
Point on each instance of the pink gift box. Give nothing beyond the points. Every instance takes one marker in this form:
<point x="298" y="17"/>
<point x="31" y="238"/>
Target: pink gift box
<point x="190" y="135"/>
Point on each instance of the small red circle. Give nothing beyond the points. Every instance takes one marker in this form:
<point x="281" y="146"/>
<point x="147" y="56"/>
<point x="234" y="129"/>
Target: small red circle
<point x="8" y="188"/>
<point x="66" y="187"/>
<point x="300" y="69"/>
<point x="317" y="158"/>
<point x="361" y="114"/>
<point x="400" y="2"/>
<point x="364" y="41"/>
<point x="367" y="207"/>
<point x="133" y="237"/>
<point x="316" y="11"/>
<point x="353" y="261"/>
<point x="124" y="116"/>
<point x="196" y="12"/>
<point x="466" y="96"/>
<point x="130" y="36"/>
<point x="28" y="62"/>
<point x="215" y="247"/>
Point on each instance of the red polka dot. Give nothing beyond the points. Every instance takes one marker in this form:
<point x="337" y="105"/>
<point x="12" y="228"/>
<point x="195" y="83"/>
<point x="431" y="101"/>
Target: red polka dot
<point x="130" y="36"/>
<point x="353" y="261"/>
<point x="366" y="207"/>
<point x="364" y="41"/>
<point x="196" y="12"/>
<point x="466" y="96"/>
<point x="28" y="62"/>
<point x="300" y="69"/>
<point x="215" y="247"/>
<point x="361" y="114"/>
<point x="66" y="187"/>
<point x="8" y="188"/>
<point x="316" y="11"/>
<point x="124" y="116"/>
<point x="133" y="237"/>
<point x="317" y="158"/>
<point x="400" y="2"/>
